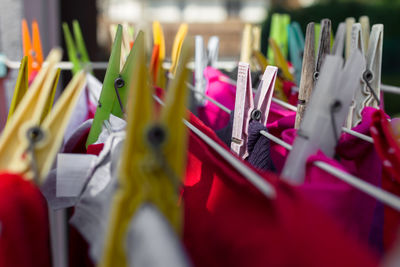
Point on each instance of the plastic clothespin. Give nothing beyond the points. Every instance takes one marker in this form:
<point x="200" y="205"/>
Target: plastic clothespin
<point x="76" y="49"/>
<point x="32" y="47"/>
<point x="153" y="158"/>
<point x="326" y="113"/>
<point x="311" y="66"/>
<point x="29" y="145"/>
<point x="113" y="96"/>
<point x="365" y="28"/>
<point x="247" y="108"/>
<point x="158" y="56"/>
<point x="296" y="48"/>
<point x="204" y="58"/>
<point x="279" y="33"/>
<point x="176" y="47"/>
<point x="3" y="66"/>
<point x="368" y="93"/>
<point x="340" y="37"/>
<point x="251" y="41"/>
<point x="280" y="61"/>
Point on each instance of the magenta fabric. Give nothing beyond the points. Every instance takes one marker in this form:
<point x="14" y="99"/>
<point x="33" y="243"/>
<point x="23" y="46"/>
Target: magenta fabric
<point x="222" y="92"/>
<point x="351" y="207"/>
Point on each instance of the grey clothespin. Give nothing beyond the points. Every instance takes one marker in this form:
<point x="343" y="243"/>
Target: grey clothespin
<point x="326" y="113"/>
<point x="311" y="66"/>
<point x="203" y="59"/>
<point x="338" y="45"/>
<point x="368" y="93"/>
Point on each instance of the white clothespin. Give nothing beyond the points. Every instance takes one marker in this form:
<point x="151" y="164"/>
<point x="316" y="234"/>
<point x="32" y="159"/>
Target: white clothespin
<point x="203" y="59"/>
<point x="247" y="108"/>
<point x="325" y="114"/>
<point x="338" y="45"/>
<point x="368" y="93"/>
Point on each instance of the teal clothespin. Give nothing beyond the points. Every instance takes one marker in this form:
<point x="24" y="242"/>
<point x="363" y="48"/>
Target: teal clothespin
<point x="279" y="32"/>
<point x="296" y="48"/>
<point x="77" y="52"/>
<point x="3" y="66"/>
<point x="116" y="83"/>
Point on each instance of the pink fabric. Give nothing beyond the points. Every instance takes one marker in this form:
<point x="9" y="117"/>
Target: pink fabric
<point x="352" y="208"/>
<point x="222" y="92"/>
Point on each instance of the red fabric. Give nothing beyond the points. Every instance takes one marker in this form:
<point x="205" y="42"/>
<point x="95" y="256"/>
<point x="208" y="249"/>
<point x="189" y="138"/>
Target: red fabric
<point x="227" y="222"/>
<point x="388" y="148"/>
<point x="24" y="227"/>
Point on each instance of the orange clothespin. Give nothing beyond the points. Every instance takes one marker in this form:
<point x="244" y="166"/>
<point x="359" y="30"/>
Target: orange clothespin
<point x="32" y="47"/>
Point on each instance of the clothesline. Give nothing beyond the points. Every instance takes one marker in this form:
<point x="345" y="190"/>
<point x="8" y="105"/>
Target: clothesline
<point x="373" y="191"/>
<point x="248" y="173"/>
<point x="67" y="65"/>
<point x="283" y="104"/>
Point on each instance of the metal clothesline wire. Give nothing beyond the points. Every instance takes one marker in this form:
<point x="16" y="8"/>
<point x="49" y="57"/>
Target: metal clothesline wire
<point x="371" y="190"/>
<point x="67" y="65"/>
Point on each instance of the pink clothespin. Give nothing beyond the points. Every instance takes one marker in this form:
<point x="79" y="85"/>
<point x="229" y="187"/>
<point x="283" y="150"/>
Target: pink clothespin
<point x="248" y="108"/>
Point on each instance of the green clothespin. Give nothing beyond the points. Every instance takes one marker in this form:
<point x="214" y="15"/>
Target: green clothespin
<point x="279" y="32"/>
<point x="116" y="83"/>
<point x="317" y="30"/>
<point x="76" y="49"/>
<point x="296" y="48"/>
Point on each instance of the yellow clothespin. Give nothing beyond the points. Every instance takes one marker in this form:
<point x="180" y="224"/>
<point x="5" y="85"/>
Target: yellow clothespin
<point x="280" y="60"/>
<point x="176" y="48"/>
<point x="32" y="47"/>
<point x="29" y="145"/>
<point x="153" y="159"/>
<point x="20" y="87"/>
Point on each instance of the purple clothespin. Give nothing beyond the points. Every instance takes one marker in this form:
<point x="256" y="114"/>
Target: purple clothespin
<point x="248" y="108"/>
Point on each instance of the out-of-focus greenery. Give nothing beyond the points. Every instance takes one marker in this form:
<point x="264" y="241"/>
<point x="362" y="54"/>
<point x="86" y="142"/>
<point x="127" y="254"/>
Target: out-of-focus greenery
<point x="386" y="12"/>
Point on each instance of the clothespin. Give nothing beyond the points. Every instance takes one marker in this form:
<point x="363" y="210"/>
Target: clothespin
<point x="158" y="56"/>
<point x="247" y="109"/>
<point x="311" y="67"/>
<point x="368" y="93"/>
<point x="251" y="42"/>
<point x="3" y="66"/>
<point x="326" y="113"/>
<point x="29" y="143"/>
<point x="32" y="47"/>
<point x="338" y="45"/>
<point x="365" y="28"/>
<point x="204" y="58"/>
<point x="296" y="48"/>
<point x="20" y="87"/>
<point x="127" y="40"/>
<point x="279" y="33"/>
<point x="176" y="47"/>
<point x="113" y="95"/>
<point x="280" y="61"/>
<point x="349" y="26"/>
<point x="76" y="49"/>
<point x="153" y="158"/>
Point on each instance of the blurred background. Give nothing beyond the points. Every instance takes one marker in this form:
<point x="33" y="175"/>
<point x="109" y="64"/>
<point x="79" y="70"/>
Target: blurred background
<point x="224" y="18"/>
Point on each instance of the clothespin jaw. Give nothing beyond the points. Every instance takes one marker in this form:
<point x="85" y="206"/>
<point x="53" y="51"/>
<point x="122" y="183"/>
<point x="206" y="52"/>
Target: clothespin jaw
<point x="279" y="33"/>
<point x="159" y="77"/>
<point x="212" y="51"/>
<point x="32" y="47"/>
<point x="296" y="48"/>
<point x="76" y="49"/>
<point x="365" y="28"/>
<point x="20" y="87"/>
<point x="153" y="156"/>
<point x="338" y="45"/>
<point x="349" y="27"/>
<point x="247" y="108"/>
<point x="311" y="66"/>
<point x="368" y="93"/>
<point x="177" y="45"/>
<point x="244" y="104"/>
<point x="113" y="95"/>
<point x="280" y="60"/>
<point x="50" y="100"/>
<point x="14" y="143"/>
<point x="326" y="112"/>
